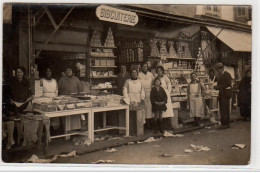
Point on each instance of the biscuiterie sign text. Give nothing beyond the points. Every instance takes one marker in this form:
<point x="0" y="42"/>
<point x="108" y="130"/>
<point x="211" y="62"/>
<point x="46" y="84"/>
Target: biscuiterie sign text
<point x="116" y="15"/>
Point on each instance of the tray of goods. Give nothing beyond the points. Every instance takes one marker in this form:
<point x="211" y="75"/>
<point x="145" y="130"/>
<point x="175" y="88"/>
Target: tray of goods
<point x="99" y="102"/>
<point x="70" y="106"/>
<point x="84" y="97"/>
<point x="48" y="107"/>
<point x="61" y="106"/>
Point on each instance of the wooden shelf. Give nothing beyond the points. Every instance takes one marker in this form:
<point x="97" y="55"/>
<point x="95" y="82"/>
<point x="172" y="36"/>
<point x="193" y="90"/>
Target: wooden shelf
<point x="74" y="59"/>
<point x="103" y="67"/>
<point x="182" y="58"/>
<point x="103" y="77"/>
<point x="104" y="88"/>
<point x="103" y="47"/>
<point x="101" y="56"/>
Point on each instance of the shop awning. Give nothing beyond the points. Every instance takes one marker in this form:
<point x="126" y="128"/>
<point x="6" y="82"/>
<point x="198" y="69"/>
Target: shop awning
<point x="236" y="40"/>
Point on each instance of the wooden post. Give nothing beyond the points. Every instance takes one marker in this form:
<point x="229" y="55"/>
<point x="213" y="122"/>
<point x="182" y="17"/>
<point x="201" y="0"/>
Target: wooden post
<point x="104" y="119"/>
<point x="139" y="122"/>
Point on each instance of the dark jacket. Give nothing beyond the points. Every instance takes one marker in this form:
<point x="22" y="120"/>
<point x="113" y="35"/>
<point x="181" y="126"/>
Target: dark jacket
<point x="224" y="82"/>
<point x="244" y="95"/>
<point x="20" y="91"/>
<point x="158" y="96"/>
<point x="120" y="81"/>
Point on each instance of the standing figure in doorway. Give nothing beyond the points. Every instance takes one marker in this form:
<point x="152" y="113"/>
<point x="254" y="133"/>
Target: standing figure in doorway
<point x="166" y="85"/>
<point x="212" y="76"/>
<point x="158" y="99"/>
<point x="146" y="79"/>
<point x="195" y="92"/>
<point x="123" y="75"/>
<point x="225" y="94"/>
<point x="244" y="96"/>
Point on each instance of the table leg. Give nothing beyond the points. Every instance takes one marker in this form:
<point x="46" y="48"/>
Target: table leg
<point x="67" y="126"/>
<point x="90" y="130"/>
<point x="140" y="124"/>
<point x="127" y="122"/>
<point x="104" y="119"/>
<point x="92" y="126"/>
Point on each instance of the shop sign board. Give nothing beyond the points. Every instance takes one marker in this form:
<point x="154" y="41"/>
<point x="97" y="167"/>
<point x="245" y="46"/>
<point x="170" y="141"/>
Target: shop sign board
<point x="115" y="15"/>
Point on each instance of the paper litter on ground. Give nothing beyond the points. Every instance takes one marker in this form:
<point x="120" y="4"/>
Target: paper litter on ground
<point x="196" y="133"/>
<point x="112" y="150"/>
<point x="199" y="147"/>
<point x="210" y="131"/>
<point x="35" y="159"/>
<point x="238" y="146"/>
<point x="181" y="155"/>
<point x="165" y="155"/>
<point x="168" y="134"/>
<point x="130" y="143"/>
<point x="103" y="161"/>
<point x="157" y="146"/>
<point x="151" y="139"/>
<point x="81" y="141"/>
<point x="188" y="151"/>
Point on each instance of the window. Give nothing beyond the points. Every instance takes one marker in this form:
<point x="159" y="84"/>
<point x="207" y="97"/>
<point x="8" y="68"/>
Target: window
<point x="215" y="8"/>
<point x="208" y="7"/>
<point x="241" y="11"/>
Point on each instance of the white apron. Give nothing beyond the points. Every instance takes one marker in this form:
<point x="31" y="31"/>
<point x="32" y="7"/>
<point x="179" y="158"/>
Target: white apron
<point x="49" y="88"/>
<point x="196" y="102"/>
<point x="134" y="91"/>
<point x="169" y="111"/>
<point x="146" y="80"/>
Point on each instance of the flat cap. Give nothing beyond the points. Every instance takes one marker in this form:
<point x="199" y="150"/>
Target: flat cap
<point x="219" y="65"/>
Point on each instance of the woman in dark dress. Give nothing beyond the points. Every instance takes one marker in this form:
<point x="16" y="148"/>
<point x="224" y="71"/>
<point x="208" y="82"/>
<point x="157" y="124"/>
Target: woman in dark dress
<point x="21" y="93"/>
<point x="244" y="96"/>
<point x="158" y="99"/>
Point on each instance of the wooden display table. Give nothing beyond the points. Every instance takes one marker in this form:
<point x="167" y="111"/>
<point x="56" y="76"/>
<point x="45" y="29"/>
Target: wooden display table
<point x="105" y="127"/>
<point x="66" y="113"/>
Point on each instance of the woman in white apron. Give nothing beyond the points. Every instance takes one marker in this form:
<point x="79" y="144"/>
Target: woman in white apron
<point x="146" y="79"/>
<point x="166" y="84"/>
<point x="195" y="90"/>
<point x="50" y="89"/>
<point x="133" y="90"/>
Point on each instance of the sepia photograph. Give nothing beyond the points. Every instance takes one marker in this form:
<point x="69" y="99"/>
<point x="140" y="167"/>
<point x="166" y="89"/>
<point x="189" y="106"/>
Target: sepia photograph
<point x="126" y="84"/>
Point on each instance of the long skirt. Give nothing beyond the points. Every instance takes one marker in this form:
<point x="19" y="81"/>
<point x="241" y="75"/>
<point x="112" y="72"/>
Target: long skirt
<point x="196" y="107"/>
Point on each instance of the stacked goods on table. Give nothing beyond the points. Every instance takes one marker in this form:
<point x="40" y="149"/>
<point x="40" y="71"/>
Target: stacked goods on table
<point x="109" y="41"/>
<point x="154" y="52"/>
<point x="172" y="52"/>
<point x="163" y="50"/>
<point x="95" y="39"/>
<point x="75" y="102"/>
<point x="97" y="74"/>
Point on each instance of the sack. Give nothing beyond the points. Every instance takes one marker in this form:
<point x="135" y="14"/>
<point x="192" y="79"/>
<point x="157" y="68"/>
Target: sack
<point x="229" y="93"/>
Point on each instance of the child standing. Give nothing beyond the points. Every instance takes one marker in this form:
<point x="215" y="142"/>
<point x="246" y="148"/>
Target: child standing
<point x="158" y="99"/>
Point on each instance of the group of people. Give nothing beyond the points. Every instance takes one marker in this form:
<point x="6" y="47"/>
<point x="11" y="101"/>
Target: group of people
<point x="140" y="88"/>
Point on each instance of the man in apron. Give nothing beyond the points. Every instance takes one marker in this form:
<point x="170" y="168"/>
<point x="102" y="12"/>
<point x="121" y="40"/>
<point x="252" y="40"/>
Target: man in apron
<point x="146" y="79"/>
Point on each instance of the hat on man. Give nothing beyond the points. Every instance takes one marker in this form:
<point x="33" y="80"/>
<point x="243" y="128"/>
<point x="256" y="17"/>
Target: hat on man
<point x="219" y="65"/>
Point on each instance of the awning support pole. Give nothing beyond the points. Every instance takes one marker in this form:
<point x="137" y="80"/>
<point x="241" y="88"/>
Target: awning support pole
<point x="56" y="29"/>
<point x="211" y="41"/>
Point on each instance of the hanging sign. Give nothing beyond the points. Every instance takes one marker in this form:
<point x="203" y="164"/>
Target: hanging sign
<point x="116" y="15"/>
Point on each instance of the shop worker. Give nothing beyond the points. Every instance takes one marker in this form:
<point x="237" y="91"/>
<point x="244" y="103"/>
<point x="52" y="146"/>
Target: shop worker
<point x="50" y="86"/>
<point x="225" y="94"/>
<point x="146" y="79"/>
<point x="195" y="92"/>
<point x="69" y="83"/>
<point x="123" y="75"/>
<point x="166" y="85"/>
<point x="133" y="89"/>
<point x="21" y="93"/>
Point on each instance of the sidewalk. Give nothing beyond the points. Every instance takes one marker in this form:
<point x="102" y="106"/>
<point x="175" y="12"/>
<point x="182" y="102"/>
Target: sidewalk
<point x="61" y="146"/>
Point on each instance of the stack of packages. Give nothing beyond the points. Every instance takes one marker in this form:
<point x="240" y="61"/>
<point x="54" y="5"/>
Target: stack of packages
<point x="109" y="41"/>
<point x="172" y="52"/>
<point x="163" y="50"/>
<point x="95" y="39"/>
<point x="187" y="53"/>
<point x="154" y="49"/>
<point x="199" y="65"/>
<point x="38" y="89"/>
<point x="139" y="51"/>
